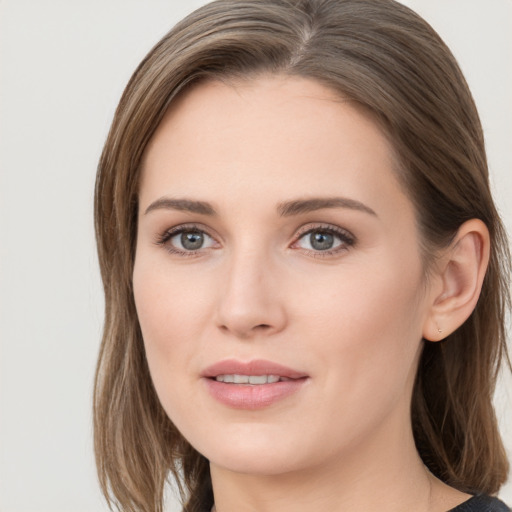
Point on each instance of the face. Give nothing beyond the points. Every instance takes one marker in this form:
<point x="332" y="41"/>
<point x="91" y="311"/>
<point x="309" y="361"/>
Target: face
<point x="278" y="279"/>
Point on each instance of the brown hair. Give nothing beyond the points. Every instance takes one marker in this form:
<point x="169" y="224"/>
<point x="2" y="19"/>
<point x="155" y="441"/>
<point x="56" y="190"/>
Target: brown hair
<point x="383" y="56"/>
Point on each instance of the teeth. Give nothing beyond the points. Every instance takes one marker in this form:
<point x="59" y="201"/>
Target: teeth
<point x="249" y="379"/>
<point x="259" y="379"/>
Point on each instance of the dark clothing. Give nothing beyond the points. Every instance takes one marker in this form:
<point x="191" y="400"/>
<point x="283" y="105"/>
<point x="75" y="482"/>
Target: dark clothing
<point x="481" y="503"/>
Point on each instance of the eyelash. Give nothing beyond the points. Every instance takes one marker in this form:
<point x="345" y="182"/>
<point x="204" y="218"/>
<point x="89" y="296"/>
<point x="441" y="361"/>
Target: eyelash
<point x="345" y="237"/>
<point x="166" y="236"/>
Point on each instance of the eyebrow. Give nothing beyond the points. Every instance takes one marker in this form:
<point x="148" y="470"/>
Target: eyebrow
<point x="184" y="205"/>
<point x="300" y="206"/>
<point x="286" y="209"/>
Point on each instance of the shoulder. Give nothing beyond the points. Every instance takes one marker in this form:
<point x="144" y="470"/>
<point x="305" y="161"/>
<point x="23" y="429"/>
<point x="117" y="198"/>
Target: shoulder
<point x="482" y="503"/>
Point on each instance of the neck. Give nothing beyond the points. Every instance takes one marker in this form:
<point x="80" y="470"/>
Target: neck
<point x="384" y="474"/>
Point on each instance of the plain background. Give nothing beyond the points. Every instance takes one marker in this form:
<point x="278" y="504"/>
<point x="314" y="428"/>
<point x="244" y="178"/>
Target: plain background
<point x="63" y="67"/>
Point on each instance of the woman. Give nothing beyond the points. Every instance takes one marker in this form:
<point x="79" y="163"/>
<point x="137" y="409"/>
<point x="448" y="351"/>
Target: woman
<point x="306" y="278"/>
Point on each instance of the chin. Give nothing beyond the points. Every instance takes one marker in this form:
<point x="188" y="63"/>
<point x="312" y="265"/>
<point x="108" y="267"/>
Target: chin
<point x="257" y="464"/>
<point x="257" y="451"/>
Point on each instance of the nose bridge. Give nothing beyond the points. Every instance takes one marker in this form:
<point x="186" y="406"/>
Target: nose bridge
<point x="248" y="302"/>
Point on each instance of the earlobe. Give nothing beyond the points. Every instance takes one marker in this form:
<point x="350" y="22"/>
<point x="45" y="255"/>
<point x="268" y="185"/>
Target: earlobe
<point x="460" y="275"/>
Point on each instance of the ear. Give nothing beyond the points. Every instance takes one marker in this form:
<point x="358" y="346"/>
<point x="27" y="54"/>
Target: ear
<point x="458" y="280"/>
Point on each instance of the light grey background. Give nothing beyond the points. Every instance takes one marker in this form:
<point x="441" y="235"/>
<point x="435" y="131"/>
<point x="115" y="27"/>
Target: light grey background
<point x="63" y="67"/>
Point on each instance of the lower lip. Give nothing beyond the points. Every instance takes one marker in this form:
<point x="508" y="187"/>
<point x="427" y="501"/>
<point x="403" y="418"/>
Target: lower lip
<point x="246" y="396"/>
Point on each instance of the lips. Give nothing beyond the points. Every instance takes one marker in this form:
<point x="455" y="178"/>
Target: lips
<point x="255" y="367"/>
<point x="251" y="385"/>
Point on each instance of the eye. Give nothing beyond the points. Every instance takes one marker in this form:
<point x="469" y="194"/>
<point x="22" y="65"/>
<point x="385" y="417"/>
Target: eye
<point x="326" y="240"/>
<point x="186" y="240"/>
<point x="191" y="240"/>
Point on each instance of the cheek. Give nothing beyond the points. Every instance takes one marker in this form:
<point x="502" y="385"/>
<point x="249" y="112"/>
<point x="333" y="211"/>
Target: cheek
<point x="365" y="301"/>
<point x="168" y="302"/>
<point x="168" y="312"/>
<point x="169" y="317"/>
<point x="367" y="328"/>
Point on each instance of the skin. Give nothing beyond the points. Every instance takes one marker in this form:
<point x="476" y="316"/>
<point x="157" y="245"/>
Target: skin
<point x="352" y="318"/>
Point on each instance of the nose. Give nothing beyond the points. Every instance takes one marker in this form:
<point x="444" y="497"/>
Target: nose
<point x="250" y="302"/>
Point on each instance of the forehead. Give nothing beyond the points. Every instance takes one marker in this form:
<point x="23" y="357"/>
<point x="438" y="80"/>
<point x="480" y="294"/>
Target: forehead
<point x="267" y="139"/>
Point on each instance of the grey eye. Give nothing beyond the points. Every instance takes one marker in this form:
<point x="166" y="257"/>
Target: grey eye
<point x="192" y="240"/>
<point x="320" y="240"/>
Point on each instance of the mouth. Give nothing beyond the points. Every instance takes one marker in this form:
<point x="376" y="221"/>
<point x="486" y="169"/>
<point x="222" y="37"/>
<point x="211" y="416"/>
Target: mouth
<point x="255" y="372"/>
<point x="252" y="380"/>
<point x="252" y="385"/>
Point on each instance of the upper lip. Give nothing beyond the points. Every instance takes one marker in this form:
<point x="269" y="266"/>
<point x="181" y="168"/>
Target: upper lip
<point x="254" y="367"/>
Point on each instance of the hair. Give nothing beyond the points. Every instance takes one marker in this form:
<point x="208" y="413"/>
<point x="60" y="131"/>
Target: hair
<point x="385" y="58"/>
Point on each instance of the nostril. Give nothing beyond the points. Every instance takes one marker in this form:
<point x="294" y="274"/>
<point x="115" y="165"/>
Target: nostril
<point x="245" y="332"/>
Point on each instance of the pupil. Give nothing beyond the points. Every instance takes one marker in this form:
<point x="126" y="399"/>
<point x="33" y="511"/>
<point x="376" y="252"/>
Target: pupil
<point x="192" y="240"/>
<point x="321" y="241"/>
